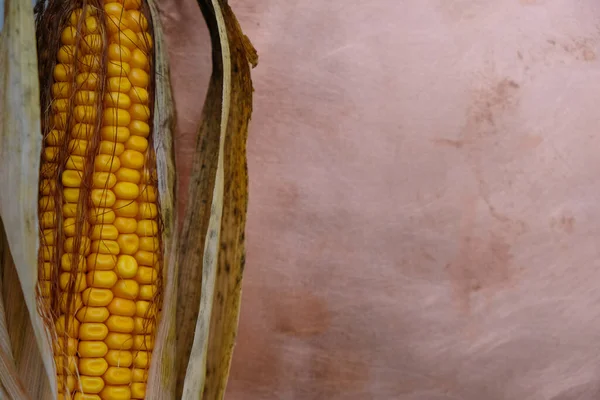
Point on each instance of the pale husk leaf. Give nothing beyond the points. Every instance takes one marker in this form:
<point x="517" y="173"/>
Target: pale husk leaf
<point x="162" y="377"/>
<point x="223" y="258"/>
<point x="20" y="147"/>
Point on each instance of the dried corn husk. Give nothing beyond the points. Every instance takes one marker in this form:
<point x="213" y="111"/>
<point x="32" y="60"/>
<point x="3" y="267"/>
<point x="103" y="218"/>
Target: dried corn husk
<point x="212" y="239"/>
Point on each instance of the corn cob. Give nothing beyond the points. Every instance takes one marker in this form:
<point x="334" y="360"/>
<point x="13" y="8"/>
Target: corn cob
<point x="100" y="253"/>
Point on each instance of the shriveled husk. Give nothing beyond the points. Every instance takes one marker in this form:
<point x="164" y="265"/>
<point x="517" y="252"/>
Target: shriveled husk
<point x="210" y="247"/>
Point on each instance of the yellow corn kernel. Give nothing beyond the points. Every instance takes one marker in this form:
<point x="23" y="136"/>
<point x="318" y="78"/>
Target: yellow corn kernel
<point x="97" y="297"/>
<point x="115" y="8"/>
<point x="116" y="392"/>
<point x="93" y="331"/>
<point x="143" y="342"/>
<point x="48" y="187"/>
<point x="147" y="292"/>
<point x="138" y="390"/>
<point x="59" y="348"/>
<point x="49" y="170"/>
<point x="72" y="245"/>
<point x="119" y="84"/>
<point x="142" y="309"/>
<point x="119" y="341"/>
<point x="82" y="131"/>
<point x="139" y="374"/>
<point x="86" y="98"/>
<point x="149" y="243"/>
<point x="122" y="307"/>
<point x="105" y="180"/>
<point x="107" y="163"/>
<point x="146" y="275"/>
<point x="46" y="203"/>
<point x="141" y="359"/>
<point x="63" y="73"/>
<point x="62" y="362"/>
<point x="147" y="227"/>
<point x="46" y="272"/>
<point x="72" y="326"/>
<point x="126" y="225"/>
<point x="66" y="55"/>
<point x="51" y="153"/>
<point x="143" y="325"/>
<point x="61" y="383"/>
<point x="89" y="63"/>
<point x="136" y="21"/>
<point x="129" y="243"/>
<point x="119" y="358"/>
<point x="139" y="128"/>
<point x="74" y="301"/>
<point x="81" y="396"/>
<point x="55" y="137"/>
<point x="117" y="52"/>
<point x="116" y="116"/>
<point x="70" y="209"/>
<point x="138" y="77"/>
<point x="111" y="148"/>
<point x="60" y="121"/>
<point x="137" y="143"/>
<point x="117" y="69"/>
<point x="78" y="281"/>
<point x="139" y="95"/>
<point x="91" y="25"/>
<point x="132" y="4"/>
<point x="148" y="193"/>
<point x="93" y="314"/>
<point x="147" y="210"/>
<point x="129" y="175"/>
<point x="92" y="44"/>
<point x="102" y="216"/>
<point x="127" y="267"/>
<point x="118" y="134"/>
<point x="104" y="231"/>
<point x="119" y="323"/>
<point x="85" y="114"/>
<point x="106" y="247"/>
<point x="139" y="112"/>
<point x="48" y="219"/>
<point x="126" y="289"/>
<point x="132" y="159"/>
<point x="49" y="237"/>
<point x="92" y="366"/>
<point x="48" y="253"/>
<point x="118" y="376"/>
<point x="87" y="81"/>
<point x="145" y="41"/>
<point x="101" y="279"/>
<point x="67" y="261"/>
<point x="117" y="99"/>
<point x="68" y="35"/>
<point x="46" y="288"/>
<point x="103" y="197"/>
<point x="126" y="190"/>
<point x="139" y="59"/>
<point x="101" y="261"/>
<point x="91" y="385"/>
<point x="75" y="163"/>
<point x="92" y="349"/>
<point x="71" y="178"/>
<point x="127" y="38"/>
<point x="71" y="228"/>
<point x="126" y="208"/>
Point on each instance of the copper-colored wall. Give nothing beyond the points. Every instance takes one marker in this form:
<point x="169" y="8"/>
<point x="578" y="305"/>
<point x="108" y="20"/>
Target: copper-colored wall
<point x="424" y="198"/>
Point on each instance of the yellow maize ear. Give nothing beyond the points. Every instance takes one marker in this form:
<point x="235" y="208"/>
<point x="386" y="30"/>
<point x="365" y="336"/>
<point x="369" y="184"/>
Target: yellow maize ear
<point x="88" y="206"/>
<point x="97" y="147"/>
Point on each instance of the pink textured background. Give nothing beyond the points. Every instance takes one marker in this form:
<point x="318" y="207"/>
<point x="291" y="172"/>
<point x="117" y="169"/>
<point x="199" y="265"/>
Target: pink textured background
<point x="424" y="197"/>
